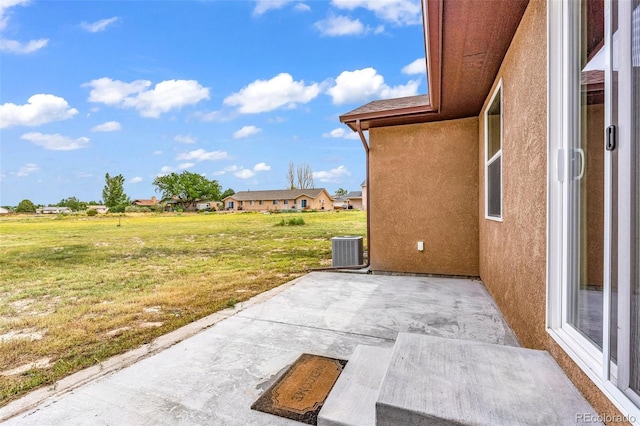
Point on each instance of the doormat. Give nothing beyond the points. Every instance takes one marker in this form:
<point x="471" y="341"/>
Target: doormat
<point x="300" y="393"/>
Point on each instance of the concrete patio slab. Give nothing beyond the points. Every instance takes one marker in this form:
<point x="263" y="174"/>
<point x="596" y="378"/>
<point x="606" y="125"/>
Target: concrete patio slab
<point x="214" y="376"/>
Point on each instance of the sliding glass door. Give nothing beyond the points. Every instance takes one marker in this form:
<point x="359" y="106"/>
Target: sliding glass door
<point x="594" y="192"/>
<point x="586" y="175"/>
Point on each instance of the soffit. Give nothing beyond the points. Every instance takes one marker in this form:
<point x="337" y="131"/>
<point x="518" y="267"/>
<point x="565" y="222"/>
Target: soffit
<point x="465" y="41"/>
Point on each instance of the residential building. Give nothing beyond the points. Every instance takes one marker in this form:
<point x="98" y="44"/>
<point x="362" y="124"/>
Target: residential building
<point x="521" y="167"/>
<point x="53" y="210"/>
<point x="145" y="202"/>
<point x="99" y="209"/>
<point x="286" y="199"/>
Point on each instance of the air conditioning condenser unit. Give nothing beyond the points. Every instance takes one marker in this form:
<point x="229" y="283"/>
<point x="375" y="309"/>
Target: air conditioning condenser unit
<point x="346" y="251"/>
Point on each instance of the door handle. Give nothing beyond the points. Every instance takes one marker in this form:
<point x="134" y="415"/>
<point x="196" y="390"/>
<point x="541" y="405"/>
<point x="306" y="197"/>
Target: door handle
<point x="610" y="143"/>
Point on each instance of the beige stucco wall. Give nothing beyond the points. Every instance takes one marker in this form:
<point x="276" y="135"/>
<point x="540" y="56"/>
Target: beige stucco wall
<point x="321" y="202"/>
<point x="356" y="204"/>
<point x="513" y="252"/>
<point x="424" y="187"/>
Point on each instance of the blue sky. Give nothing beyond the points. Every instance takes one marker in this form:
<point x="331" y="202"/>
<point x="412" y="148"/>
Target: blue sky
<point x="233" y="90"/>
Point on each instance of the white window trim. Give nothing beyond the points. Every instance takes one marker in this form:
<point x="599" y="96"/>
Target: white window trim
<point x="498" y="154"/>
<point x="559" y="114"/>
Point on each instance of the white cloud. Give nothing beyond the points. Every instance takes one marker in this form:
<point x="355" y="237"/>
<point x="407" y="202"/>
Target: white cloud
<point x="40" y="109"/>
<point x="109" y="126"/>
<point x="399" y="12"/>
<point x="261" y="167"/>
<point x="335" y="26"/>
<point x="263" y="6"/>
<point x="202" y="155"/>
<point x="302" y="7"/>
<point x="268" y="95"/>
<point x="244" y="174"/>
<point x="27" y="169"/>
<point x="165" y="170"/>
<point x="100" y="25"/>
<point x="333" y="175"/>
<point x="185" y="166"/>
<point x="17" y="47"/>
<point x="227" y="169"/>
<point x="114" y="92"/>
<point x="187" y="139"/>
<point x="419" y="66"/>
<point x="56" y="142"/>
<point x="246" y="131"/>
<point x="136" y="179"/>
<point x="157" y="152"/>
<point x="13" y="46"/>
<point x="360" y="85"/>
<point x="341" y="133"/>
<point x="165" y="96"/>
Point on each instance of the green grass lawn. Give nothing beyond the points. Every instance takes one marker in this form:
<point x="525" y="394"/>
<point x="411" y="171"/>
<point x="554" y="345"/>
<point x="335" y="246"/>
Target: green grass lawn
<point x="75" y="291"/>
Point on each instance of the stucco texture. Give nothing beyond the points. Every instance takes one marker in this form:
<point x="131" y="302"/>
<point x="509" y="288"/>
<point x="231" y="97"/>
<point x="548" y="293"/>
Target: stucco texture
<point x="424" y="187"/>
<point x="513" y="252"/>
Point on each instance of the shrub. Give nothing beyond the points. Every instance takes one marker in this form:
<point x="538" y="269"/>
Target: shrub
<point x="291" y="222"/>
<point x="92" y="212"/>
<point x="137" y="209"/>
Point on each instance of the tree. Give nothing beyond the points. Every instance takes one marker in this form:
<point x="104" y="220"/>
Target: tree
<point x="304" y="175"/>
<point x="26" y="206"/>
<point x="228" y="193"/>
<point x="113" y="193"/>
<point x="187" y="188"/>
<point x="73" y="203"/>
<point x="291" y="176"/>
<point x="340" y="192"/>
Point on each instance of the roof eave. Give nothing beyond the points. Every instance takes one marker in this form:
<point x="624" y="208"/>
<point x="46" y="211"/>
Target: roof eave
<point x="368" y="118"/>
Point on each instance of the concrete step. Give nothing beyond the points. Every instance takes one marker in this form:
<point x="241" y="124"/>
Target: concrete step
<point x="352" y="401"/>
<point x="434" y="380"/>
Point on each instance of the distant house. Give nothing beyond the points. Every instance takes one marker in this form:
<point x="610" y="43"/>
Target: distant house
<point x="208" y="205"/>
<point x="4" y="211"/>
<point x="340" y="202"/>
<point x="354" y="200"/>
<point x="145" y="203"/>
<point x="287" y="199"/>
<point x="99" y="209"/>
<point x="53" y="210"/>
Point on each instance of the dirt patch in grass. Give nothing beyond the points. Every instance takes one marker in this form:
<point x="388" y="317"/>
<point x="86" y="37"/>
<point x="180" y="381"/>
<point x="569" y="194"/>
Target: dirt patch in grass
<point x="75" y="292"/>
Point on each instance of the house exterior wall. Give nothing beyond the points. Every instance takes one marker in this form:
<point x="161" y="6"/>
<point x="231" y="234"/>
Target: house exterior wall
<point x="321" y="202"/>
<point x="424" y="187"/>
<point x="513" y="252"/>
<point x="356" y="203"/>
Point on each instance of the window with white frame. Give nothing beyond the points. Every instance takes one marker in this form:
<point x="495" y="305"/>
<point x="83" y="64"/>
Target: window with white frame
<point x="493" y="155"/>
